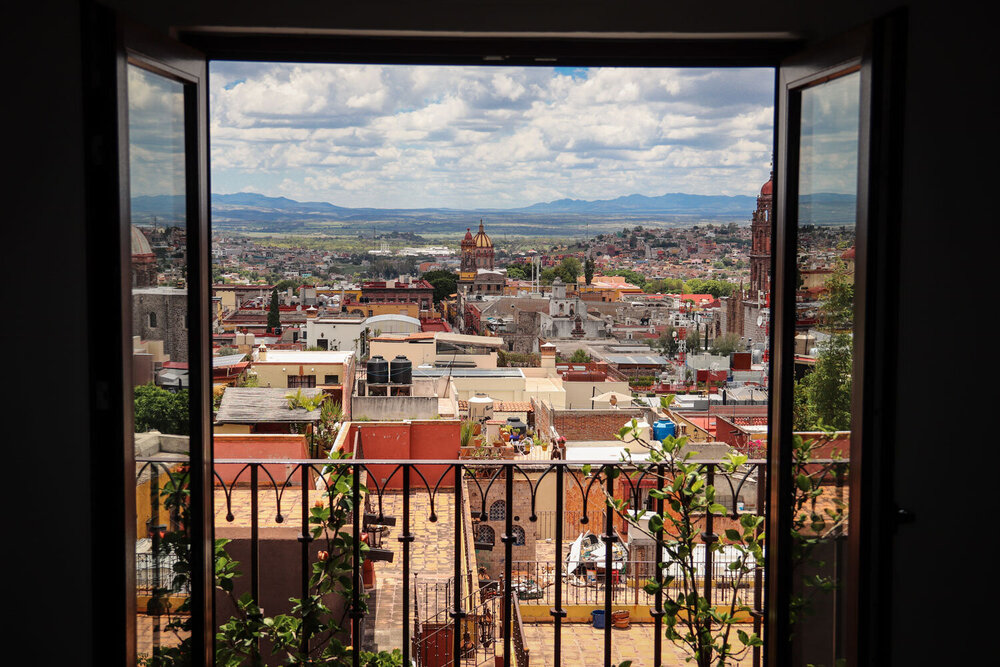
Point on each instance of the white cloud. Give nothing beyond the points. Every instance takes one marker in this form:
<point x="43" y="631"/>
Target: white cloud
<point x="401" y="136"/>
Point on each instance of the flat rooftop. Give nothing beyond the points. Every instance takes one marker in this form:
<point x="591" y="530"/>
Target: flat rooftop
<point x="468" y="372"/>
<point x="306" y="357"/>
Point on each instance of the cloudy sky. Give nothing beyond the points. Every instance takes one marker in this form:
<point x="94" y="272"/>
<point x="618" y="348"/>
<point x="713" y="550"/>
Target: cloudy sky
<point x="465" y="137"/>
<point x="156" y="134"/>
<point x="828" y="159"/>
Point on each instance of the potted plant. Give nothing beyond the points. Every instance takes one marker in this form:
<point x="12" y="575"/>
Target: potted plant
<point x="620" y="619"/>
<point x="467" y="433"/>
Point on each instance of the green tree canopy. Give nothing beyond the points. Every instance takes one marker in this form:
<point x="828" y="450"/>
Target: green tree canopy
<point x="273" y="318"/>
<point x="693" y="340"/>
<point x="519" y="271"/>
<point x="548" y="275"/>
<point x="445" y="283"/>
<point x="823" y="397"/>
<point x="725" y="344"/>
<point x="161" y="410"/>
<point x="667" y="342"/>
<point x="569" y="269"/>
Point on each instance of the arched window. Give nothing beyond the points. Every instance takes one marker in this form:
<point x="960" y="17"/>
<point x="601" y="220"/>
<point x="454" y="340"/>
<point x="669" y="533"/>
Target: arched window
<point x="486" y="534"/>
<point x="152" y="320"/>
<point x="518" y="534"/>
<point x="498" y="511"/>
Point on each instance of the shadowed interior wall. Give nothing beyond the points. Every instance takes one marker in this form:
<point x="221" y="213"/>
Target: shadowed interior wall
<point x="948" y="208"/>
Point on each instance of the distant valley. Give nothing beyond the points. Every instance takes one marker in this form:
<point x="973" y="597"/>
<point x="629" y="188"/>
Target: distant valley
<point x="572" y="217"/>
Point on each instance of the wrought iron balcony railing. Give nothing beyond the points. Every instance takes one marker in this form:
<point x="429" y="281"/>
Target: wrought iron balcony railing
<point x="278" y="491"/>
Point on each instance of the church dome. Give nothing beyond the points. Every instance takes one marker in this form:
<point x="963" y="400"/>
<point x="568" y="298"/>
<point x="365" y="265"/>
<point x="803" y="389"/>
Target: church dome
<point x="468" y="235"/>
<point x="140" y="246"/>
<point x="482" y="240"/>
<point x="766" y="189"/>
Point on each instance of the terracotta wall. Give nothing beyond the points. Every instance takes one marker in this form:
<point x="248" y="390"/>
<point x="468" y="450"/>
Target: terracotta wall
<point x="258" y="446"/>
<point x="432" y="439"/>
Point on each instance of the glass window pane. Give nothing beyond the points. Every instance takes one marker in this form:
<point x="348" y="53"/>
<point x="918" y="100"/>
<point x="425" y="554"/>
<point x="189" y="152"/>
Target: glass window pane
<point x="827" y="205"/>
<point x="160" y="356"/>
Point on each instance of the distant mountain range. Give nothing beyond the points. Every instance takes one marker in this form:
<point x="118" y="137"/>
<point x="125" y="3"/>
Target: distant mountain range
<point x="675" y="203"/>
<point x="247" y="209"/>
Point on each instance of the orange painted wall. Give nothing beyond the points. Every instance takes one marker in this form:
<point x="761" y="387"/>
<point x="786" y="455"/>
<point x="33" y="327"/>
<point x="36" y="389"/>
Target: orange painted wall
<point x="419" y="440"/>
<point x="258" y="446"/>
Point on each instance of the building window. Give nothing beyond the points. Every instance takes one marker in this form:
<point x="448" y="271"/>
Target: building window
<point x="152" y="320"/>
<point x="486" y="534"/>
<point x="300" y="381"/>
<point x="498" y="511"/>
<point x="518" y="534"/>
<point x="331" y="379"/>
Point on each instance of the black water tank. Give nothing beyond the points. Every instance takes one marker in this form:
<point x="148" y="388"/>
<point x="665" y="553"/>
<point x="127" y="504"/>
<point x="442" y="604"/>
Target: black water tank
<point x="378" y="370"/>
<point x="401" y="370"/>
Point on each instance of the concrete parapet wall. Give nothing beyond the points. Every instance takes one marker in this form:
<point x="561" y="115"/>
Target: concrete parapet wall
<point x="394" y="408"/>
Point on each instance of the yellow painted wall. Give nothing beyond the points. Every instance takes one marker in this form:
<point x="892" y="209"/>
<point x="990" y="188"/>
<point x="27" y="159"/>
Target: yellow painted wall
<point x="409" y="309"/>
<point x="579" y="613"/>
<point x="276" y="374"/>
<point x="241" y="429"/>
<point x="418" y="353"/>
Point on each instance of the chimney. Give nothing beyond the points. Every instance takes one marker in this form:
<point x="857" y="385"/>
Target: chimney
<point x="262" y="352"/>
<point x="548" y="355"/>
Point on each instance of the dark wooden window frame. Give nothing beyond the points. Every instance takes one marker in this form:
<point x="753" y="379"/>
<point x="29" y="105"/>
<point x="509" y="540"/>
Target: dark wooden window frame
<point x="105" y="42"/>
<point x="111" y="45"/>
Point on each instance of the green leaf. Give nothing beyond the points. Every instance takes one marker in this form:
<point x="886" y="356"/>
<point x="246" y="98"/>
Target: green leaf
<point x="803" y="482"/>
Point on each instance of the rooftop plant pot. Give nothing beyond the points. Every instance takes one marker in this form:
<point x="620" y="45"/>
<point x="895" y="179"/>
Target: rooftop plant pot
<point x="620" y="619"/>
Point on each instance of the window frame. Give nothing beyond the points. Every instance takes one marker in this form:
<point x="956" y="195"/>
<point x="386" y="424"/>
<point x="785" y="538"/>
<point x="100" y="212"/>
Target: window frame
<point x="874" y="51"/>
<point x="111" y="45"/>
<point x="523" y="49"/>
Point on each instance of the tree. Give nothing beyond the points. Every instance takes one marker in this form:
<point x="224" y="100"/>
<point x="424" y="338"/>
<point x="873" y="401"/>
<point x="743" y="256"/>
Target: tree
<point x="826" y="392"/>
<point x="273" y="318"/>
<point x="822" y="399"/>
<point x="518" y="271"/>
<point x="668" y="343"/>
<point x="685" y="496"/>
<point x="445" y="283"/>
<point x="693" y="340"/>
<point x="569" y="269"/>
<point x="725" y="344"/>
<point x="588" y="270"/>
<point x="160" y="410"/>
<point x="580" y="357"/>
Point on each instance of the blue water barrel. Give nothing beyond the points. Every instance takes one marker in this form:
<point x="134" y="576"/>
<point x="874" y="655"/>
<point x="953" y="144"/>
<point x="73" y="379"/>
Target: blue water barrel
<point x="598" y="615"/>
<point x="663" y="428"/>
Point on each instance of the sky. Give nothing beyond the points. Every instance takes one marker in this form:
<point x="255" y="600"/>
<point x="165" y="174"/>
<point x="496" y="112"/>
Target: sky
<point x="486" y="137"/>
<point x="828" y="158"/>
<point x="156" y="134"/>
